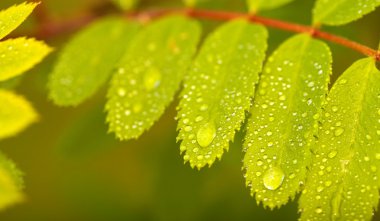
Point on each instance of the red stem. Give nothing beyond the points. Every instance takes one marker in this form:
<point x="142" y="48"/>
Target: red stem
<point x="54" y="28"/>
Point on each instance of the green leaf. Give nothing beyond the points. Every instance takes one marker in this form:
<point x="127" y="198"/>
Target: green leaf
<point x="126" y="5"/>
<point x="340" y="12"/>
<point x="19" y="55"/>
<point x="149" y="75"/>
<point x="190" y="3"/>
<point x="218" y="90"/>
<point x="344" y="179"/>
<point x="15" y="114"/>
<point x="280" y="131"/>
<point x="258" y="5"/>
<point x="10" y="183"/>
<point x="88" y="60"/>
<point x="12" y="17"/>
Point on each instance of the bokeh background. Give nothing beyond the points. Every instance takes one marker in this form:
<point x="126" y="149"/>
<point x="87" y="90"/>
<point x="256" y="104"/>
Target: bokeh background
<point x="75" y="171"/>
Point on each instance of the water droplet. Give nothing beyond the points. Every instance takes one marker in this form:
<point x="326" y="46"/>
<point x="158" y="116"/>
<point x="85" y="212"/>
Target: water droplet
<point x="273" y="178"/>
<point x="282" y="98"/>
<point x="121" y="92"/>
<point x="152" y="79"/>
<point x="338" y="131"/>
<point x="204" y="107"/>
<point x="332" y="154"/>
<point x="206" y="134"/>
<point x="377" y="156"/>
<point x="316" y="116"/>
<point x="320" y="189"/>
<point x="343" y="81"/>
<point x="310" y="84"/>
<point x="137" y="108"/>
<point x="318" y="210"/>
<point x="198" y="119"/>
<point x="334" y="108"/>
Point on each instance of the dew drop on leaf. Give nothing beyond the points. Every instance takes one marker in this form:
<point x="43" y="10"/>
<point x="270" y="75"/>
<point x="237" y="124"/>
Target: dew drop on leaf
<point x="206" y="134"/>
<point x="273" y="178"/>
<point x="338" y="131"/>
<point x="152" y="79"/>
<point x="332" y="154"/>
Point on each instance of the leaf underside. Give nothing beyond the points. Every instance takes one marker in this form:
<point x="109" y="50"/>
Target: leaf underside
<point x="19" y="55"/>
<point x="258" y="5"/>
<point x="95" y="50"/>
<point x="340" y="12"/>
<point x="280" y="131"/>
<point x="149" y="75"/>
<point x="218" y="90"/>
<point x="344" y="179"/>
<point x="15" y="114"/>
<point x="12" y="17"/>
<point x="10" y="183"/>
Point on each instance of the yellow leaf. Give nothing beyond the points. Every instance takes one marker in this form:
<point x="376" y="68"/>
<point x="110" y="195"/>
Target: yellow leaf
<point x="16" y="114"/>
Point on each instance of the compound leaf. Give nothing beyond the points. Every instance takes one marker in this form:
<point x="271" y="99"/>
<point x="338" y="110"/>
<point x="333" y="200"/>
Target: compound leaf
<point x="149" y="74"/>
<point x="344" y="179"/>
<point x="19" y="55"/>
<point x="280" y="131"/>
<point x="88" y="60"/>
<point x="12" y="17"/>
<point x="218" y="90"/>
<point x="340" y="12"/>
<point x="258" y="5"/>
<point x="15" y="114"/>
<point x="10" y="183"/>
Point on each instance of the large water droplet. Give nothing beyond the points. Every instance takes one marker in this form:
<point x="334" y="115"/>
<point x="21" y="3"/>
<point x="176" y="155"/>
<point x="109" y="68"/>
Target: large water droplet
<point x="152" y="79"/>
<point x="206" y="134"/>
<point x="273" y="178"/>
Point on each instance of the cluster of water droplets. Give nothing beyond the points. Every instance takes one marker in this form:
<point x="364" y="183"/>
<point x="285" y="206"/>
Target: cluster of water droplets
<point x="284" y="119"/>
<point x="343" y="182"/>
<point x="218" y="91"/>
<point x="150" y="75"/>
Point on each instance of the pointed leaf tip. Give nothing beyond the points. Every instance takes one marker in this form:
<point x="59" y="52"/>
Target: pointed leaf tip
<point x="15" y="114"/>
<point x="19" y="55"/>
<point x="12" y="17"/>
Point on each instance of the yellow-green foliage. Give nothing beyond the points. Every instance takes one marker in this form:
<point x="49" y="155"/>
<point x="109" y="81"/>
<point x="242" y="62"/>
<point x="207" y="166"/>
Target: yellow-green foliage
<point x="284" y="119"/>
<point x="95" y="50"/>
<point x="258" y="5"/>
<point x="16" y="113"/>
<point x="218" y="90"/>
<point x="340" y="12"/>
<point x="343" y="182"/>
<point x="149" y="74"/>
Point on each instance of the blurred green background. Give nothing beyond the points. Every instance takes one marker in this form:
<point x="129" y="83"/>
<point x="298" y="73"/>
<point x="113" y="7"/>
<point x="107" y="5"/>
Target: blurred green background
<point x="74" y="170"/>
